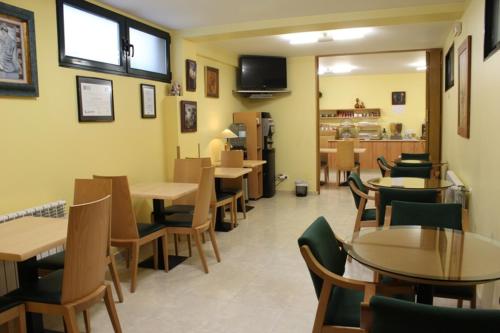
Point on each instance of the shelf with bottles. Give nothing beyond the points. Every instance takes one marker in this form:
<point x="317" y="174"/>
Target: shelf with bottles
<point x="349" y="114"/>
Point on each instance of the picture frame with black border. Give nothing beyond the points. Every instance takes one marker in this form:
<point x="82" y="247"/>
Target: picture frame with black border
<point x="148" y="101"/>
<point x="399" y="98"/>
<point x="211" y="82"/>
<point x="449" y="68"/>
<point x="191" y="73"/>
<point x="189" y="117"/>
<point x="95" y="99"/>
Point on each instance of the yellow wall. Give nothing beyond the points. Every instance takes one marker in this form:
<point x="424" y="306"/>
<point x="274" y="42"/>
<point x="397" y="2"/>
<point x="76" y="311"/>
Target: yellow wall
<point x="476" y="160"/>
<point x="340" y="92"/>
<point x="295" y="119"/>
<point x="44" y="147"/>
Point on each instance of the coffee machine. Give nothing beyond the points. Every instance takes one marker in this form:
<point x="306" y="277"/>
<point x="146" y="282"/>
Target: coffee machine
<point x="268" y="154"/>
<point x="239" y="143"/>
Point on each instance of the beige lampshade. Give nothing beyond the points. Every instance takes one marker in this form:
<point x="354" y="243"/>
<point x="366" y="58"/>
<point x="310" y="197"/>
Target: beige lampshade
<point x="227" y="134"/>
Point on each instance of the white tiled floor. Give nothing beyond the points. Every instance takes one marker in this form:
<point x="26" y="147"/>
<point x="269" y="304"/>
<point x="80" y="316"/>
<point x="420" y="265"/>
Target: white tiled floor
<point x="261" y="285"/>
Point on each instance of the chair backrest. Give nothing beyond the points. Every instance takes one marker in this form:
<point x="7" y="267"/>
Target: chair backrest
<point x="437" y="215"/>
<point x="232" y="159"/>
<point x="416" y="172"/>
<point x="412" y="165"/>
<point x="355" y="180"/>
<point x="344" y="160"/>
<point x="203" y="197"/>
<point x="415" y="156"/>
<point x="383" y="165"/>
<point x="387" y="195"/>
<point x="391" y="315"/>
<point x="89" y="190"/>
<point x="187" y="171"/>
<point x="123" y="223"/>
<point x="321" y="240"/>
<point x="86" y="249"/>
<point x="323" y="143"/>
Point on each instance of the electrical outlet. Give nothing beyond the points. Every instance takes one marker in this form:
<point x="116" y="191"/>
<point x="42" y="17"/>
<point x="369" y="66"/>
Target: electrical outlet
<point x="282" y="176"/>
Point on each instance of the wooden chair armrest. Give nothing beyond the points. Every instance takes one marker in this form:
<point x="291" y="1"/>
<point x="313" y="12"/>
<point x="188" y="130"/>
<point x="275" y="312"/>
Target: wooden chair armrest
<point x="465" y="220"/>
<point x="360" y="193"/>
<point x="388" y="214"/>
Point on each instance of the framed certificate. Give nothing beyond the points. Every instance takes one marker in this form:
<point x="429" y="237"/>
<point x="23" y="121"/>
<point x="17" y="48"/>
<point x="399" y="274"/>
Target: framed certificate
<point x="148" y="101"/>
<point x="95" y="99"/>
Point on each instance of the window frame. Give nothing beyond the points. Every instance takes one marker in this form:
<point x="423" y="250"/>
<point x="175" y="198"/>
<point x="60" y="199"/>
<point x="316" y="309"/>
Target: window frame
<point x="124" y="24"/>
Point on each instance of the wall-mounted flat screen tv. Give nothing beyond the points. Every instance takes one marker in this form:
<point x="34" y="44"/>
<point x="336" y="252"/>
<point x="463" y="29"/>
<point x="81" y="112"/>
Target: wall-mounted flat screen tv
<point x="261" y="73"/>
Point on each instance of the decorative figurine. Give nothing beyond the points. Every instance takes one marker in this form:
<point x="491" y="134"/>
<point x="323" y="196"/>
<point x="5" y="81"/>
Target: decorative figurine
<point x="357" y="105"/>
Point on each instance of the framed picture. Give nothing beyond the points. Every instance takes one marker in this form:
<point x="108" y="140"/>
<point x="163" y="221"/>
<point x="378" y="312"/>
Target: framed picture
<point x="148" y="101"/>
<point x="95" y="99"/>
<point x="449" y="69"/>
<point x="18" y="71"/>
<point x="211" y="82"/>
<point x="491" y="28"/>
<point x="189" y="117"/>
<point x="398" y="97"/>
<point x="190" y="75"/>
<point x="464" y="62"/>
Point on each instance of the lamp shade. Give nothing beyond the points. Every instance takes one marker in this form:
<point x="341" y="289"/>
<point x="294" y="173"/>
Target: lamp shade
<point x="227" y="134"/>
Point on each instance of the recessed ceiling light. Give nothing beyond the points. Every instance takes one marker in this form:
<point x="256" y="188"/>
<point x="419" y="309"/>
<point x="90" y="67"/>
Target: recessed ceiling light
<point x="302" y="38"/>
<point x="326" y="36"/>
<point x="348" y="34"/>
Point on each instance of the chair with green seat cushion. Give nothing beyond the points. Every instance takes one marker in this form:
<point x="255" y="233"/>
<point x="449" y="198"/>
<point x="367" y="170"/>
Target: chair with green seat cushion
<point x="387" y="195"/>
<point x="388" y="315"/>
<point x="415" y="156"/>
<point x="438" y="215"/>
<point x="383" y="165"/>
<point x="416" y="172"/>
<point x="338" y="306"/>
<point x="365" y="217"/>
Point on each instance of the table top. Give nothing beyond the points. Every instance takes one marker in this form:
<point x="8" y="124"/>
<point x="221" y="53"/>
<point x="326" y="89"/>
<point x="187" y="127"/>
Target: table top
<point x="26" y="237"/>
<point x="162" y="190"/>
<point x="248" y="163"/>
<point x="334" y="150"/>
<point x="417" y="162"/>
<point x="231" y="173"/>
<point x="428" y="255"/>
<point x="410" y="183"/>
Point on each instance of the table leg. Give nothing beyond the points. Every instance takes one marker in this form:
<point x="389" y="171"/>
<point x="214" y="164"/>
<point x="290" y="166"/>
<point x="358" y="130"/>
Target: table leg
<point x="220" y="225"/>
<point x="173" y="261"/>
<point x="27" y="272"/>
<point x="424" y="294"/>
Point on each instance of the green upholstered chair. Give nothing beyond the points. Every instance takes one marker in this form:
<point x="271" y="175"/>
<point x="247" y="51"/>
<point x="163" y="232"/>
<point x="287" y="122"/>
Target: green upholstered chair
<point x="384" y="166"/>
<point x="416" y="172"/>
<point x="387" y="195"/>
<point x="339" y="297"/>
<point x="365" y="217"/>
<point x="415" y="156"/>
<point x="12" y="311"/>
<point x="388" y="315"/>
<point x="413" y="165"/>
<point x="440" y="215"/>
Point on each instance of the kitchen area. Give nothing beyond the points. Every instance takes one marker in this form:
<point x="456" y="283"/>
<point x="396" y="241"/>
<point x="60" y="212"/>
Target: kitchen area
<point x="377" y="100"/>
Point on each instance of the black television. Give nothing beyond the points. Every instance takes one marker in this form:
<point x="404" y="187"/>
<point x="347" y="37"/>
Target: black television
<point x="261" y="73"/>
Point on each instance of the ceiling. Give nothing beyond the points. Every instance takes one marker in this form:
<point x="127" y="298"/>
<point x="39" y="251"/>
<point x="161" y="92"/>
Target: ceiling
<point x="386" y="63"/>
<point x="182" y="14"/>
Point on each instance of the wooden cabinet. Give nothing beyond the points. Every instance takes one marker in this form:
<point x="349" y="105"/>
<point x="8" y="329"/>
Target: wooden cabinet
<point x="366" y="158"/>
<point x="378" y="149"/>
<point x="252" y="121"/>
<point x="393" y="150"/>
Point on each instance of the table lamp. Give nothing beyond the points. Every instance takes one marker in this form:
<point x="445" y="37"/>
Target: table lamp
<point x="227" y="134"/>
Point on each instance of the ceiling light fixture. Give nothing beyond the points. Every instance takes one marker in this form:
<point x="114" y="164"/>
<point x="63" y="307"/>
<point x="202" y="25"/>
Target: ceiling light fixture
<point x="326" y="36"/>
<point x="348" y="34"/>
<point x="341" y="68"/>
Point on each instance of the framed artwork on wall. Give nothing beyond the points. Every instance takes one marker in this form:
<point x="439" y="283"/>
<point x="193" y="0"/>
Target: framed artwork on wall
<point x="189" y="117"/>
<point x="95" y="99"/>
<point x="148" y="101"/>
<point x="398" y="97"/>
<point x="491" y="28"/>
<point x="464" y="72"/>
<point x="18" y="70"/>
<point x="211" y="82"/>
<point x="190" y="75"/>
<point x="449" y="68"/>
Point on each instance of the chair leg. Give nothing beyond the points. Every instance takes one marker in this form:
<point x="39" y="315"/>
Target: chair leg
<point x="110" y="306"/>
<point x="134" y="266"/>
<point x="155" y="254"/>
<point x="460" y="303"/>
<point x="22" y="321"/>
<point x="214" y="216"/>
<point x="164" y="240"/>
<point x="127" y="259"/>
<point x="473" y="302"/>
<point x="114" y="276"/>
<point x="10" y="327"/>
<point x="234" y="217"/>
<point x="338" y="177"/>
<point x="200" y="250"/>
<point x="243" y="206"/>
<point x="86" y="318"/>
<point x="70" y="320"/>
<point x="214" y="244"/>
<point x="189" y="245"/>
<point x="176" y="246"/>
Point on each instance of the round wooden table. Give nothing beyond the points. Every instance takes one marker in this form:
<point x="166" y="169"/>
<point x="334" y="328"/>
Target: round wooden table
<point x="409" y="183"/>
<point x="428" y="256"/>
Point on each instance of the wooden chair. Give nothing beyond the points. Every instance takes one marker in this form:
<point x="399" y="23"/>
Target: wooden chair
<point x="344" y="161"/>
<point x="127" y="233"/>
<point x="234" y="159"/>
<point x="365" y="217"/>
<point x="324" y="167"/>
<point x="87" y="190"/>
<point x="81" y="283"/>
<point x="384" y="166"/>
<point x="416" y="156"/>
<point x="12" y="311"/>
<point x="194" y="225"/>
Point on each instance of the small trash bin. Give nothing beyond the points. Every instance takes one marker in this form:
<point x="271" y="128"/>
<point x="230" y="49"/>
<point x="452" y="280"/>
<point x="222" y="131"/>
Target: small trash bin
<point x="301" y="188"/>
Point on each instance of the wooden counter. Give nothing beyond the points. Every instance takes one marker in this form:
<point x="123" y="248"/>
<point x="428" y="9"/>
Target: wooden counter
<point x="390" y="149"/>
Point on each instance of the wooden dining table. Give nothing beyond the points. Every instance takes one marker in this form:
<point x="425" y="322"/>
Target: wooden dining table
<point x="159" y="192"/>
<point x="21" y="240"/>
<point x="427" y="256"/>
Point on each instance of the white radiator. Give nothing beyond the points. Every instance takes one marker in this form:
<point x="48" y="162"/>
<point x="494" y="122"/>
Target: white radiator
<point x="458" y="193"/>
<point x="8" y="270"/>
